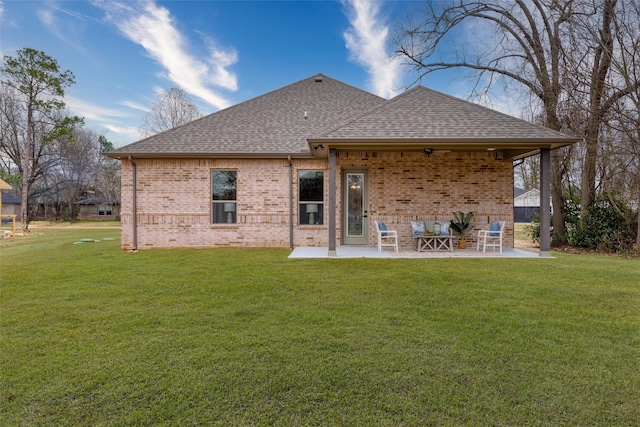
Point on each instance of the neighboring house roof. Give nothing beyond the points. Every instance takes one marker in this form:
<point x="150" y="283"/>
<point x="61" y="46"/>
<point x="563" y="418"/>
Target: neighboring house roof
<point x="8" y="198"/>
<point x="530" y="198"/>
<point x="271" y="124"/>
<point x="97" y="201"/>
<point x="320" y="110"/>
<point x="517" y="191"/>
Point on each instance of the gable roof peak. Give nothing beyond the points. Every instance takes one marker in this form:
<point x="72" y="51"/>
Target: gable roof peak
<point x="278" y="122"/>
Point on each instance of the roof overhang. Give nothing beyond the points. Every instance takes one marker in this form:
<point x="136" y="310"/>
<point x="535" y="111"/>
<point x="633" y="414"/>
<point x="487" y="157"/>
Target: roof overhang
<point x="319" y="148"/>
<point x="511" y="149"/>
<point x="141" y="155"/>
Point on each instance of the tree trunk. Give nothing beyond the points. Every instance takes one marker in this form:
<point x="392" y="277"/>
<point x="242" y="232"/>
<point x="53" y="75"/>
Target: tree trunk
<point x="601" y="66"/>
<point x="26" y="172"/>
<point x="559" y="232"/>
<point x="589" y="167"/>
<point x="638" y="207"/>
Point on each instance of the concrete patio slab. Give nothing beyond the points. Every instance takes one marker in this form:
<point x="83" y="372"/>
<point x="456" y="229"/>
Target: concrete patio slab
<point x="372" y="252"/>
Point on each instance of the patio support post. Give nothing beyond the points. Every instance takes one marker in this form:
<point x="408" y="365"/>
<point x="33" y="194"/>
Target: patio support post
<point x="332" y="202"/>
<point x="545" y="207"/>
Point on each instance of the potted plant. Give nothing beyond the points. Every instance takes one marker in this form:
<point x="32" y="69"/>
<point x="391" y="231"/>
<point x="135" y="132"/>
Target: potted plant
<point x="461" y="223"/>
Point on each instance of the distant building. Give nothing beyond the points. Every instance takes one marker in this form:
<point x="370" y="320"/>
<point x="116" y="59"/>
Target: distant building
<point x="10" y="204"/>
<point x="98" y="208"/>
<point x="526" y="205"/>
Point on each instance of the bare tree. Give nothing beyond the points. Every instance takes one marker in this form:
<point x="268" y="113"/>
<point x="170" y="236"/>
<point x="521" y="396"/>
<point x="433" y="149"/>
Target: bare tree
<point x="527" y="50"/>
<point x="76" y="168"/>
<point x="172" y="108"/>
<point x="528" y="170"/>
<point x="624" y="118"/>
<point x="559" y="51"/>
<point x="603" y="77"/>
<point x="37" y="87"/>
<point x="10" y="135"/>
<point x="107" y="176"/>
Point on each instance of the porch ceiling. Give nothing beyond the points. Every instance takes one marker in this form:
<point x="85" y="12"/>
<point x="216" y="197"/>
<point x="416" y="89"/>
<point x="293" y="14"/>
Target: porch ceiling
<point x="509" y="150"/>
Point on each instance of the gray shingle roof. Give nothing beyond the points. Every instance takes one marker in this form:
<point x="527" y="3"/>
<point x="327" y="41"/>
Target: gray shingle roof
<point x="345" y="117"/>
<point x="428" y="115"/>
<point x="270" y="124"/>
<point x="8" y="198"/>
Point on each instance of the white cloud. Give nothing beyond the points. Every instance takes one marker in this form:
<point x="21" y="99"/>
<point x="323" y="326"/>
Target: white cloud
<point x="48" y="20"/>
<point x="366" y="39"/>
<point x="132" y="133"/>
<point x="105" y="118"/>
<point x="68" y="31"/>
<point x="134" y="105"/>
<point x="152" y="27"/>
<point x="91" y="111"/>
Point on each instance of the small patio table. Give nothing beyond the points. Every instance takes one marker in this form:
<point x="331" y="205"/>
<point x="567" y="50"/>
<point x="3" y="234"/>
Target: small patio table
<point x="434" y="243"/>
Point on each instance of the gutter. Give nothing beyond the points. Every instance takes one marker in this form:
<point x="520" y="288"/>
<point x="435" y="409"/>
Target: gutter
<point x="134" y="206"/>
<point x="208" y="155"/>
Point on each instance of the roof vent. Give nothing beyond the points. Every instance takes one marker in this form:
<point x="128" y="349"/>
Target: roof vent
<point x="318" y="79"/>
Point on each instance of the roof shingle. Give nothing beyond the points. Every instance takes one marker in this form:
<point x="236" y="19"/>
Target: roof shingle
<point x="425" y="114"/>
<point x="273" y="123"/>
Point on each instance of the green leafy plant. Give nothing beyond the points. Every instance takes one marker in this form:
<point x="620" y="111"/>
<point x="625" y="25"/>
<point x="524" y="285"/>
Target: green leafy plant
<point x="609" y="225"/>
<point x="461" y="222"/>
<point x="533" y="229"/>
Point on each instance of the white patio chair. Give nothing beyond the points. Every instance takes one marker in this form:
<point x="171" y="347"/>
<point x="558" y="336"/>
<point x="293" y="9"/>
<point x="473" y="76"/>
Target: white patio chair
<point x="492" y="237"/>
<point x="386" y="237"/>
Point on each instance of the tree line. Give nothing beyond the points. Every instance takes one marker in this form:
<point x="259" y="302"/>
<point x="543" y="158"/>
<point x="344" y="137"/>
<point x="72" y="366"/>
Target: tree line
<point x="47" y="154"/>
<point x="574" y="65"/>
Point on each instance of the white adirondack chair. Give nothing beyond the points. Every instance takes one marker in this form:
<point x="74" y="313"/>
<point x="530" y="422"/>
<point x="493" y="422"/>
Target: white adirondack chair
<point x="492" y="237"/>
<point x="386" y="237"/>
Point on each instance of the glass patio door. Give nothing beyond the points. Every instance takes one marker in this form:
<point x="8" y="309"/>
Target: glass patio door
<point x="355" y="218"/>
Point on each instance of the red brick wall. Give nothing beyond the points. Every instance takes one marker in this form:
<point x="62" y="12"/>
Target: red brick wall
<point x="174" y="197"/>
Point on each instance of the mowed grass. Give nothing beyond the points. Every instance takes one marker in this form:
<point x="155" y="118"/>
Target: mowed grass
<point x="93" y="335"/>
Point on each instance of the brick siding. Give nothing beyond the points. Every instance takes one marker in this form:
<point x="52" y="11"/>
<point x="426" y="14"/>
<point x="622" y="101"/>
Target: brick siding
<point x="174" y="197"/>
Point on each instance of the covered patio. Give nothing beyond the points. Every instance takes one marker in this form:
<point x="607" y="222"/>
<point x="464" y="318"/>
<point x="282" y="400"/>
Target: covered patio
<point x="423" y="155"/>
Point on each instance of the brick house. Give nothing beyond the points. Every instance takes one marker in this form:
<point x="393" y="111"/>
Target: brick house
<point x="97" y="209"/>
<point x="316" y="162"/>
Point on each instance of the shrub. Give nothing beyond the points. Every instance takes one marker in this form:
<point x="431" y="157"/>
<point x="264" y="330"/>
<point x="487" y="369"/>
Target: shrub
<point x="533" y="229"/>
<point x="608" y="225"/>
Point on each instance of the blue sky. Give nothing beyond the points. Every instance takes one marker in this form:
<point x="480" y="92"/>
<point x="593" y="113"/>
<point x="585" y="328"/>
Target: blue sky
<point x="220" y="52"/>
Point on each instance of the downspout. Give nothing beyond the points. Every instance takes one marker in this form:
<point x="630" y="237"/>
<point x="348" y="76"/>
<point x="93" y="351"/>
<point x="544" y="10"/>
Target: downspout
<point x="134" y="206"/>
<point x="290" y="202"/>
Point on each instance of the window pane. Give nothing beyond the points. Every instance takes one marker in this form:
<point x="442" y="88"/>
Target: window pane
<point x="223" y="188"/>
<point x="354" y="205"/>
<point x="224" y="213"/>
<point x="311" y="187"/>
<point x="224" y="185"/>
<point x="311" y="213"/>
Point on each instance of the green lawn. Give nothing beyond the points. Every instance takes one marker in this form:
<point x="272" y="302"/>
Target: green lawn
<point x="92" y="335"/>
